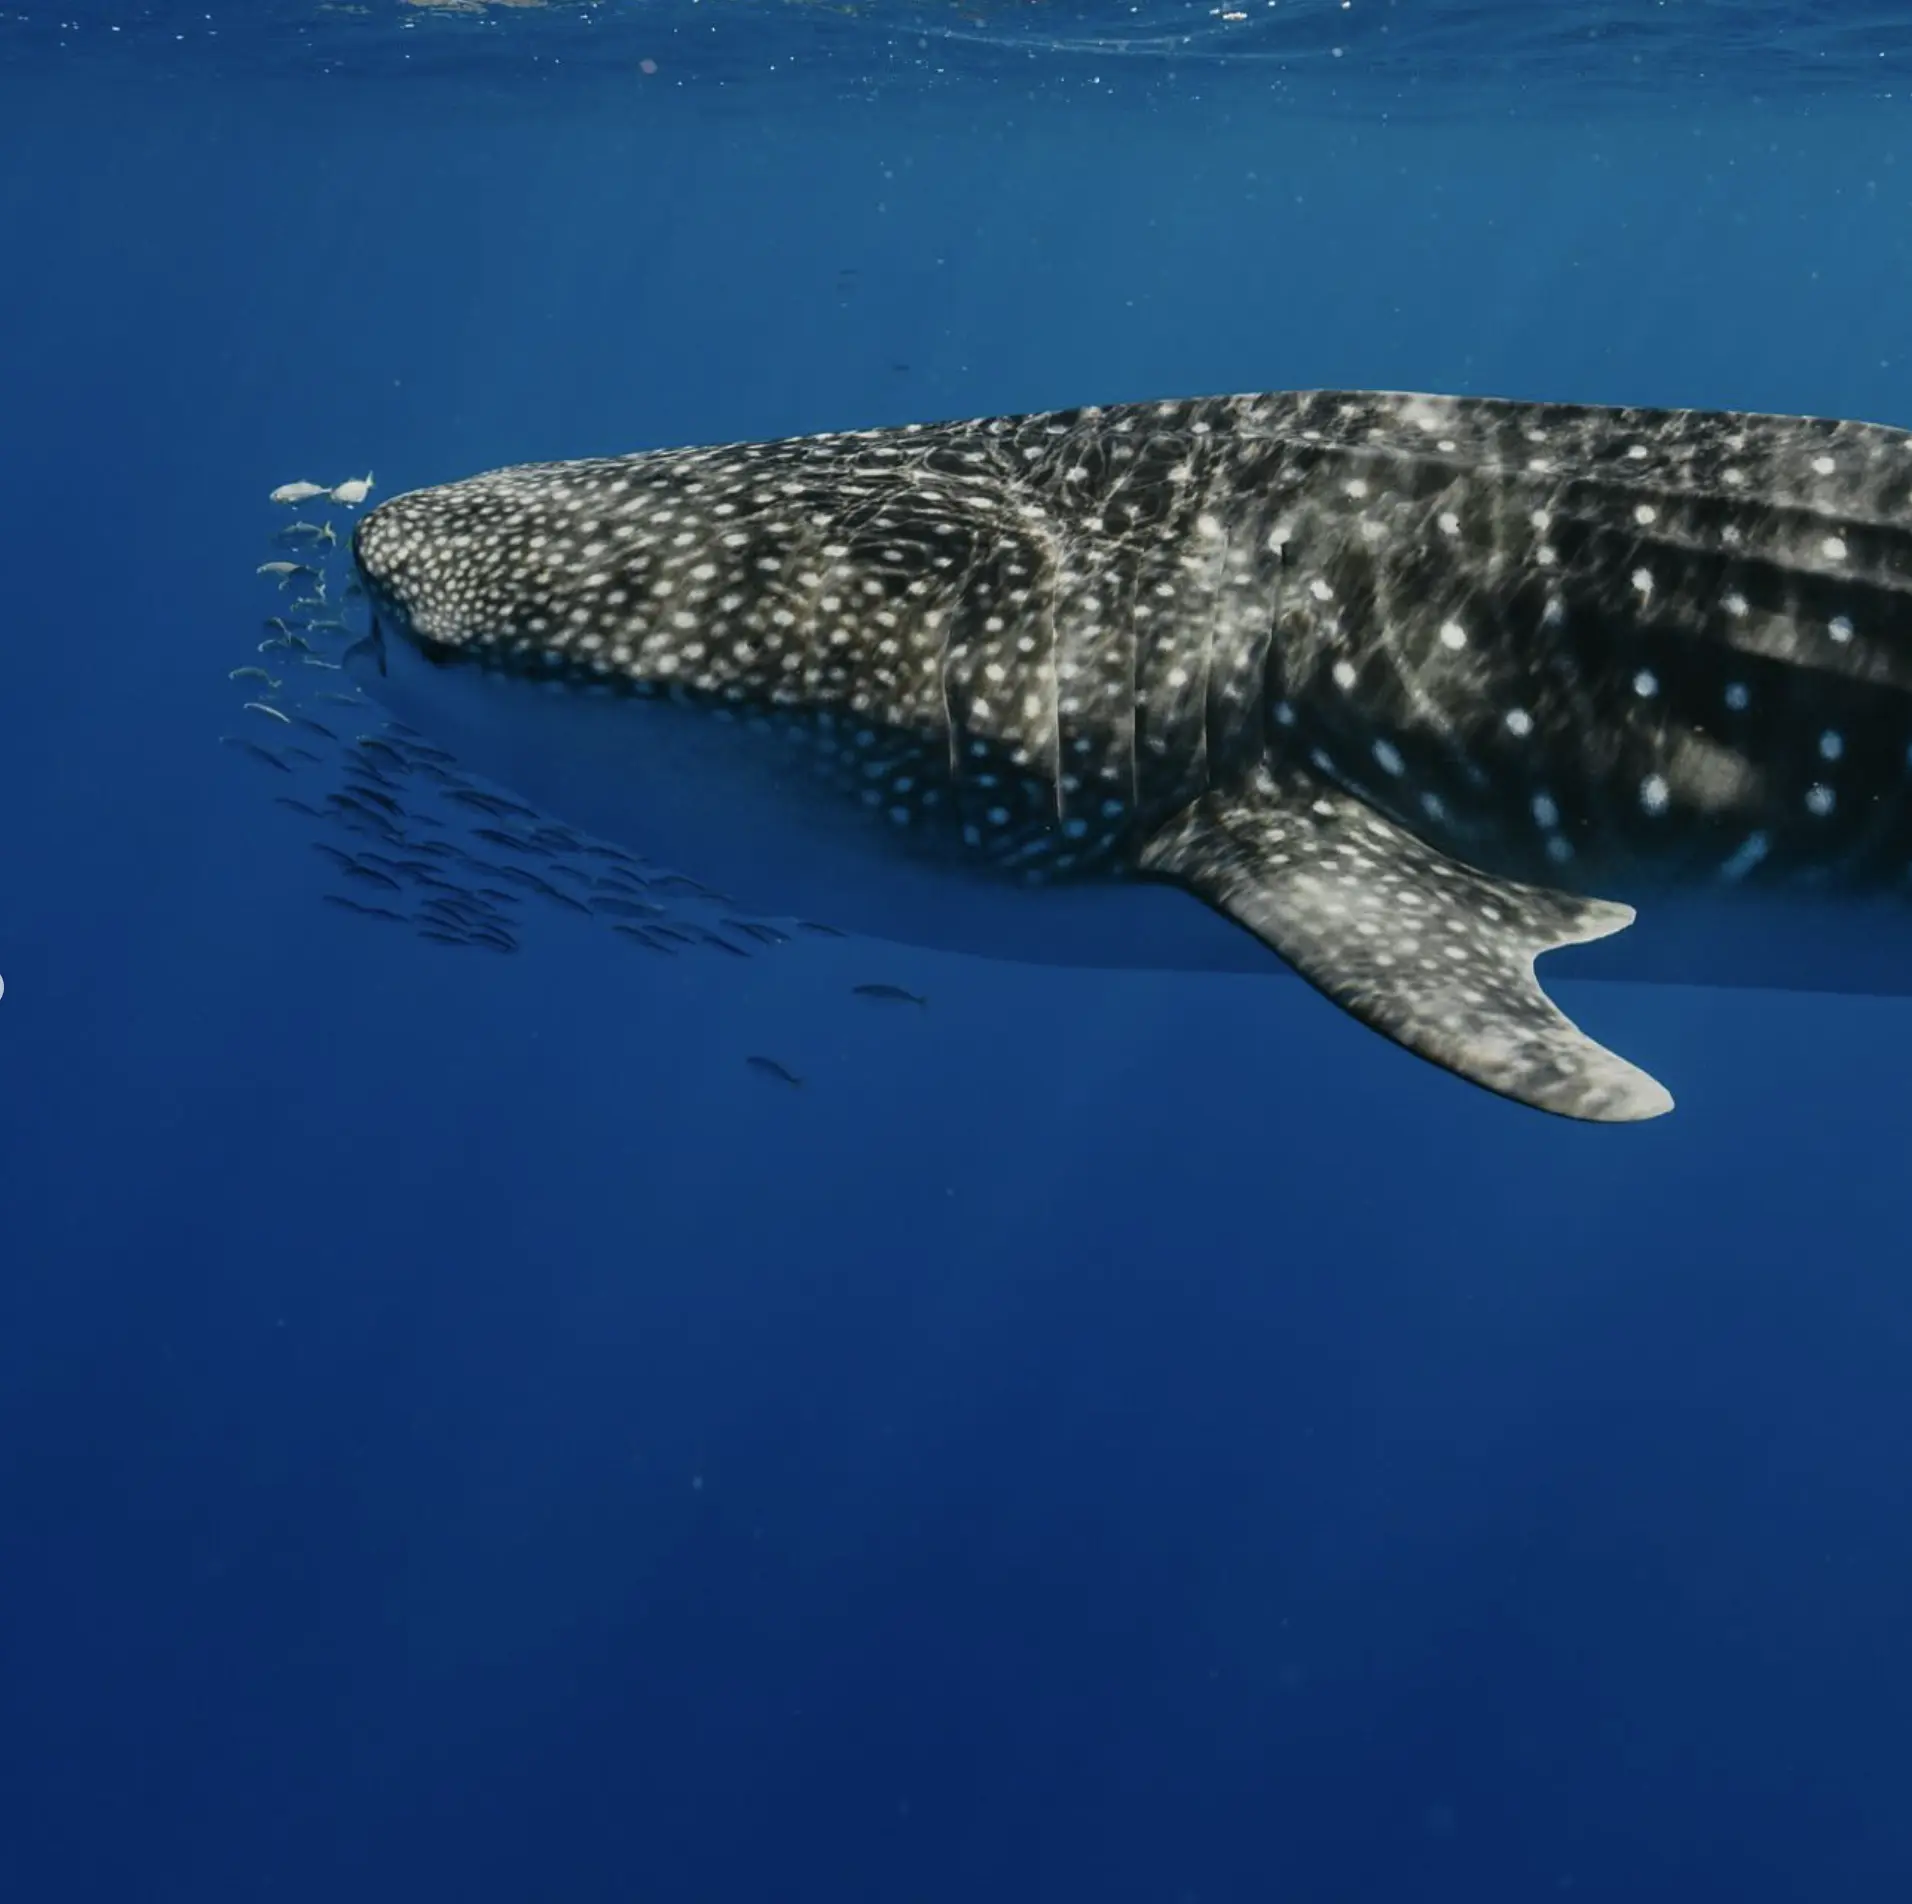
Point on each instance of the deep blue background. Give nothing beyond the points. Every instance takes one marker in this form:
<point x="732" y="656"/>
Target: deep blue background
<point x="1124" y="1437"/>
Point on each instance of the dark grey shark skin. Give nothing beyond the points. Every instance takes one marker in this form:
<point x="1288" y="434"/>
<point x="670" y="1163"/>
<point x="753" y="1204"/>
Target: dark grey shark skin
<point x="1413" y="688"/>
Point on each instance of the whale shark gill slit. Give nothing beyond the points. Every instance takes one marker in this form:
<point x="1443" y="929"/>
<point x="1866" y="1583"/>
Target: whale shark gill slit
<point x="1411" y="688"/>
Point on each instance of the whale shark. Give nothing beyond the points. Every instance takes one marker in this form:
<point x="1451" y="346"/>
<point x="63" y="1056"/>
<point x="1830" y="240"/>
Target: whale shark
<point x="1404" y="690"/>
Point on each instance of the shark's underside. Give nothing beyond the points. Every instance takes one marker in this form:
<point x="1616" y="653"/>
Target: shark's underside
<point x="1412" y="689"/>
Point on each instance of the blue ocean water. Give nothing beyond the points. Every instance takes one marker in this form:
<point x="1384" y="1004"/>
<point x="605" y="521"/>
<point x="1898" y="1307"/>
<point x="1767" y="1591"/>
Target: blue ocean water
<point x="1125" y="1436"/>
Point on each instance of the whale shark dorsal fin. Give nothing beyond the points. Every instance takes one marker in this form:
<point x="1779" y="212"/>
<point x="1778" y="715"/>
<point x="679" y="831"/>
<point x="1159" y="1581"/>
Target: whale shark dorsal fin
<point x="1430" y="952"/>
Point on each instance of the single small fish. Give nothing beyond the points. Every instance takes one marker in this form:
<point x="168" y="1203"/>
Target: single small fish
<point x="770" y="1068"/>
<point x="296" y="492"/>
<point x="368" y="912"/>
<point x="255" y="674"/>
<point x="353" y="491"/>
<point x="261" y="707"/>
<point x="307" y="532"/>
<point x="283" y="571"/>
<point x="758" y="930"/>
<point x="894" y="994"/>
<point x="255" y="750"/>
<point x="625" y="908"/>
<point x="493" y="803"/>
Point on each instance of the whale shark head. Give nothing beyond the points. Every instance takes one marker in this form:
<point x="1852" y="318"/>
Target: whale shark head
<point x="630" y="643"/>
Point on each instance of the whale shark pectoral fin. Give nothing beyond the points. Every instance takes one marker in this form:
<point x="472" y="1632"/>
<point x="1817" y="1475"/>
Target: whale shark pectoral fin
<point x="1423" y="948"/>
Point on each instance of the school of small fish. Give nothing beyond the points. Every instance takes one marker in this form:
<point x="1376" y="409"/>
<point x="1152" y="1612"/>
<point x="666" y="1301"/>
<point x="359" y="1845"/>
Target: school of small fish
<point x="406" y="836"/>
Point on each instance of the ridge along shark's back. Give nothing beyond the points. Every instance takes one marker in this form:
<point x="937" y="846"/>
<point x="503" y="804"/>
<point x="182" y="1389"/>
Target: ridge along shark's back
<point x="1411" y="688"/>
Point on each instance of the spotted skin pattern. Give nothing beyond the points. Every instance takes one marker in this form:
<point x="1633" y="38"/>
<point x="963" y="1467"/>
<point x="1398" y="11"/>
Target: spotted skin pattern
<point x="1412" y="687"/>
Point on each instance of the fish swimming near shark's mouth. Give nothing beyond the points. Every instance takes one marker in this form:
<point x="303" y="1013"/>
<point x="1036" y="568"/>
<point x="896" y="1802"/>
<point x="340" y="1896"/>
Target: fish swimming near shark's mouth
<point x="1412" y="688"/>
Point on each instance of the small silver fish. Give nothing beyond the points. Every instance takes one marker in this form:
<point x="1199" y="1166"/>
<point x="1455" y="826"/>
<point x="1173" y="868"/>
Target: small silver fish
<point x="893" y="994"/>
<point x="253" y="748"/>
<point x="770" y="1068"/>
<point x="758" y="930"/>
<point x="369" y="912"/>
